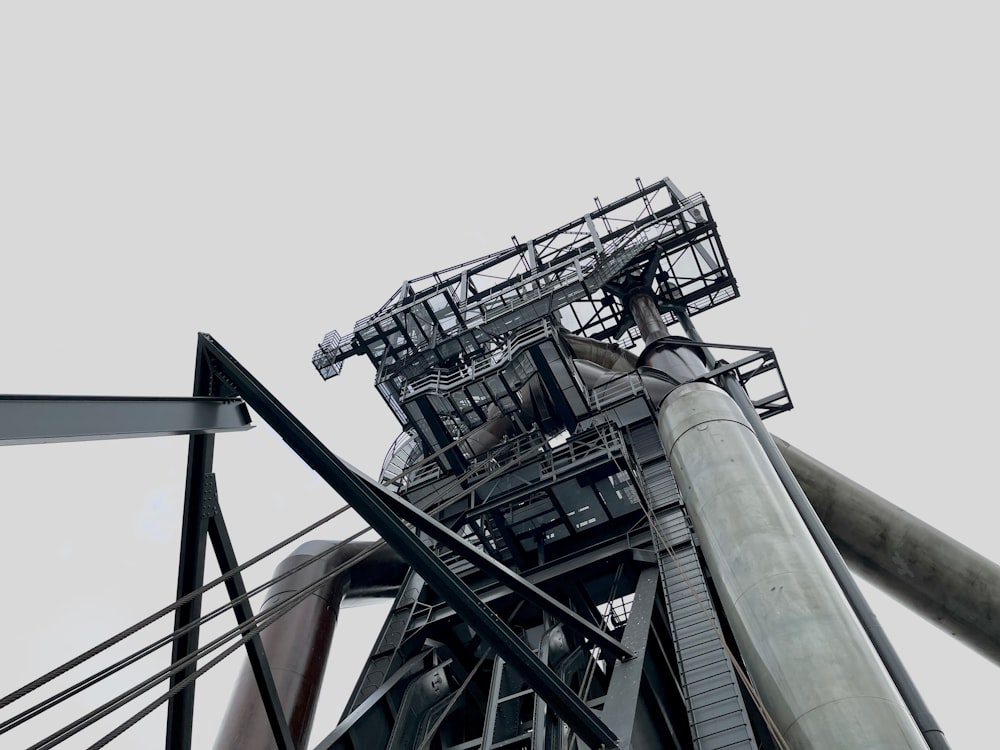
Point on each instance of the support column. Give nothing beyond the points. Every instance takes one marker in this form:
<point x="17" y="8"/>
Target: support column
<point x="191" y="567"/>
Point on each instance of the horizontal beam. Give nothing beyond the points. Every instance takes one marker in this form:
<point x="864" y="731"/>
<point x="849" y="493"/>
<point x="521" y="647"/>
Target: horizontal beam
<point x="55" y="419"/>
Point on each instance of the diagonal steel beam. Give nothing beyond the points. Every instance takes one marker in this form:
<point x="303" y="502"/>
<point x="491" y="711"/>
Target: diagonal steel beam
<point x="226" y="557"/>
<point x="565" y="702"/>
<point x="504" y="575"/>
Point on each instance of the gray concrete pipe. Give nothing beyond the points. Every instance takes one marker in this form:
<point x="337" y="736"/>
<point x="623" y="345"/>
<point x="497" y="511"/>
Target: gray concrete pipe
<point x="951" y="585"/>
<point x="810" y="660"/>
<point x="298" y="643"/>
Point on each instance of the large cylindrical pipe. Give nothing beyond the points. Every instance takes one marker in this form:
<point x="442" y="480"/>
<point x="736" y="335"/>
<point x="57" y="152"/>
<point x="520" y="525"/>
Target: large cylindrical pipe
<point x="869" y="622"/>
<point x="951" y="585"/>
<point x="811" y="662"/>
<point x="298" y="643"/>
<point x="663" y="352"/>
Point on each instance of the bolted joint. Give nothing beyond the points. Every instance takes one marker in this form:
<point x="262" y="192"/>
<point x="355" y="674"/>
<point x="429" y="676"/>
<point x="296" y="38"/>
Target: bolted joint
<point x="209" y="497"/>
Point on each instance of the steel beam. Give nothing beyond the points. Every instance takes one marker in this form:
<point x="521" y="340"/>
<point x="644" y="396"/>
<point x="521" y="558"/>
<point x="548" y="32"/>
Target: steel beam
<point x="504" y="575"/>
<point x="198" y="490"/>
<point x="566" y="568"/>
<point x="565" y="702"/>
<point x="226" y="557"/>
<point x="54" y="419"/>
<point x="626" y="679"/>
<point x="348" y="722"/>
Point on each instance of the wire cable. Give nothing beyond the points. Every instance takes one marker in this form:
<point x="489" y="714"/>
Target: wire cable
<point x="257" y="623"/>
<point x="249" y="630"/>
<point x="104" y="645"/>
<point x="173" y="635"/>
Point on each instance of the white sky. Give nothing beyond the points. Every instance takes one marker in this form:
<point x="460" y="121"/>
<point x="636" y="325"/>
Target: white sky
<point x="266" y="173"/>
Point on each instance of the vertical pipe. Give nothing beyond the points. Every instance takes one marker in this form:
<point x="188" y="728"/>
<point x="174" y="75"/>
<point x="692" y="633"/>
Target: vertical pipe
<point x="681" y="363"/>
<point x="297" y="646"/>
<point x="880" y="641"/>
<point x="647" y="317"/>
<point x="815" y="670"/>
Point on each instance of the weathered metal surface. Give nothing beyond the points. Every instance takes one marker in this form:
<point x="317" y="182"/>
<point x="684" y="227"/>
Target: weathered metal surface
<point x="786" y="611"/>
<point x="951" y="585"/>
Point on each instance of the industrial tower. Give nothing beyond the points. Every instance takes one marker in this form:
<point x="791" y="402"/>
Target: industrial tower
<point x="646" y="579"/>
<point x="591" y="539"/>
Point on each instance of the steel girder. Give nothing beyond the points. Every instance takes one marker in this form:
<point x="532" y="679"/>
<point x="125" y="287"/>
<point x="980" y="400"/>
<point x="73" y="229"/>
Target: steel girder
<point x="370" y="503"/>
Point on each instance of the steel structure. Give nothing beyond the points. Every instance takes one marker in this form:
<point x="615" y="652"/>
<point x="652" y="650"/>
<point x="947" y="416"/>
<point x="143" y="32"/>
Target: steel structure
<point x="533" y="435"/>
<point x="588" y="547"/>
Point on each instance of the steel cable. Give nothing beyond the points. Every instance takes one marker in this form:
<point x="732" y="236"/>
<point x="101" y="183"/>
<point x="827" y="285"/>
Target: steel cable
<point x="152" y="647"/>
<point x="133" y="629"/>
<point x="258" y="622"/>
<point x="250" y="629"/>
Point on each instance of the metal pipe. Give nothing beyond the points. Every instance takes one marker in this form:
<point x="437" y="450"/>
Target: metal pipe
<point x="647" y="317"/>
<point x="298" y="643"/>
<point x="883" y="646"/>
<point x="809" y="658"/>
<point x="665" y="353"/>
<point x="951" y="585"/>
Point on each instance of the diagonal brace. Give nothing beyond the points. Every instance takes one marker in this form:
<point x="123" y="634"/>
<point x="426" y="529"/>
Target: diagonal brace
<point x="504" y="575"/>
<point x="557" y="694"/>
<point x="226" y="557"/>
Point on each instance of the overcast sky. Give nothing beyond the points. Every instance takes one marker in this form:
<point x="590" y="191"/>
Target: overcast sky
<point x="269" y="172"/>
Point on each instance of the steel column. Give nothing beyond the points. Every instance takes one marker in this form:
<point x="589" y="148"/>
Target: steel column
<point x="191" y="568"/>
<point x="626" y="679"/>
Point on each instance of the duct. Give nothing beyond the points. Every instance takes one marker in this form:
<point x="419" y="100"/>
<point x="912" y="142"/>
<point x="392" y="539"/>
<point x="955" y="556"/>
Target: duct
<point x="609" y="356"/>
<point x="788" y="614"/>
<point x="657" y="385"/>
<point x="592" y="374"/>
<point x="938" y="577"/>
<point x="497" y="426"/>
<point x="298" y="643"/>
<point x="423" y="700"/>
